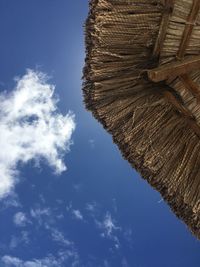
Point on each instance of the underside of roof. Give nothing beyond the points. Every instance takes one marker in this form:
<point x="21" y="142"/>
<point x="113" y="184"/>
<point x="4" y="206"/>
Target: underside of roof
<point x="142" y="82"/>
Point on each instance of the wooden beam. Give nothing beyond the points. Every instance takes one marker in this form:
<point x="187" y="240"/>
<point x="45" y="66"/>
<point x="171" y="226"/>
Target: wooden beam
<point x="183" y="111"/>
<point x="193" y="87"/>
<point x="190" y="23"/>
<point x="174" y="69"/>
<point x="168" y="8"/>
<point x="178" y="106"/>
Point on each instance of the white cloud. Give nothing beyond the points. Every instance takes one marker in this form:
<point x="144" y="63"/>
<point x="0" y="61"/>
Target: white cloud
<point x="10" y="201"/>
<point x="20" y="219"/>
<point x="10" y="261"/>
<point x="91" y="207"/>
<point x="59" y="237"/>
<point x="39" y="214"/>
<point x="45" y="217"/>
<point x="109" y="229"/>
<point x="78" y="187"/>
<point x="64" y="258"/>
<point x="69" y="207"/>
<point x="22" y="239"/>
<point x="94" y="210"/>
<point x="77" y="214"/>
<point x="31" y="128"/>
<point x="108" y="225"/>
<point x="14" y="242"/>
<point x="16" y="262"/>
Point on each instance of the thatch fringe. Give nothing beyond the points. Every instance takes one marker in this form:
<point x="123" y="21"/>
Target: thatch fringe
<point x="152" y="135"/>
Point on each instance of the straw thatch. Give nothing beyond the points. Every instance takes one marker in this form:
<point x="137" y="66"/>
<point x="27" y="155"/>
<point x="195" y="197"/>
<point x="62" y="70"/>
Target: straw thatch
<point x="155" y="124"/>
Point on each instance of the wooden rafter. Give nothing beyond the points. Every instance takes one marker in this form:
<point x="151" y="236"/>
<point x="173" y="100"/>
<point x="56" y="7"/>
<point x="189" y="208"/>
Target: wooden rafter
<point x="182" y="66"/>
<point x="168" y="8"/>
<point x="174" y="69"/>
<point x="178" y="106"/>
<point x="191" y="86"/>
<point x="190" y="23"/>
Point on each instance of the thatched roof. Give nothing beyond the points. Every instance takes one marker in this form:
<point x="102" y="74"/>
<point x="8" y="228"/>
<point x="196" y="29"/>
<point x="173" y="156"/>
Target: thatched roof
<point x="142" y="82"/>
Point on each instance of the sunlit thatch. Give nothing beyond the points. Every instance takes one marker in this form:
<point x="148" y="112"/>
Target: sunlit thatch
<point x="154" y="117"/>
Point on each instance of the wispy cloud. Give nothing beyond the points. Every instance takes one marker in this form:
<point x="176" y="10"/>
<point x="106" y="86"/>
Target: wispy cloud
<point x="109" y="229"/>
<point x="41" y="214"/>
<point x="20" y="219"/>
<point x="31" y="128"/>
<point x="77" y="214"/>
<point x="64" y="258"/>
<point x="91" y="207"/>
<point x="10" y="201"/>
<point x="109" y="225"/>
<point x="78" y="187"/>
<point x="46" y="218"/>
<point x="59" y="237"/>
<point x="20" y="240"/>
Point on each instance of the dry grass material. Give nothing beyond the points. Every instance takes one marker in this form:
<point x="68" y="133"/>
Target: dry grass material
<point x="155" y="125"/>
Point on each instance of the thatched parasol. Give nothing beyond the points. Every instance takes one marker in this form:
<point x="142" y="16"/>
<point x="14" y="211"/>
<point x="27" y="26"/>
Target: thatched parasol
<point x="142" y="82"/>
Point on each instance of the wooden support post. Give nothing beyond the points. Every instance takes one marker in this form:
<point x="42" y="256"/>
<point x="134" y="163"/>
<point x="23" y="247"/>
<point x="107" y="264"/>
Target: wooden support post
<point x="174" y="69"/>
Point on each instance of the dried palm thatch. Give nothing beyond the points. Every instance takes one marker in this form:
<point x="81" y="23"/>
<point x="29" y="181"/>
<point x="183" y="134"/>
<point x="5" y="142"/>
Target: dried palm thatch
<point x="142" y="82"/>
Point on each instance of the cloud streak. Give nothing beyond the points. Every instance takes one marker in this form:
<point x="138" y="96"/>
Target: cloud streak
<point x="31" y="128"/>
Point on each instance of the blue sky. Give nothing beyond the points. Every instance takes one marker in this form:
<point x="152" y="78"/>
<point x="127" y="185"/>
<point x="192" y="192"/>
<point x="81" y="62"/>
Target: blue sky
<point x="98" y="212"/>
